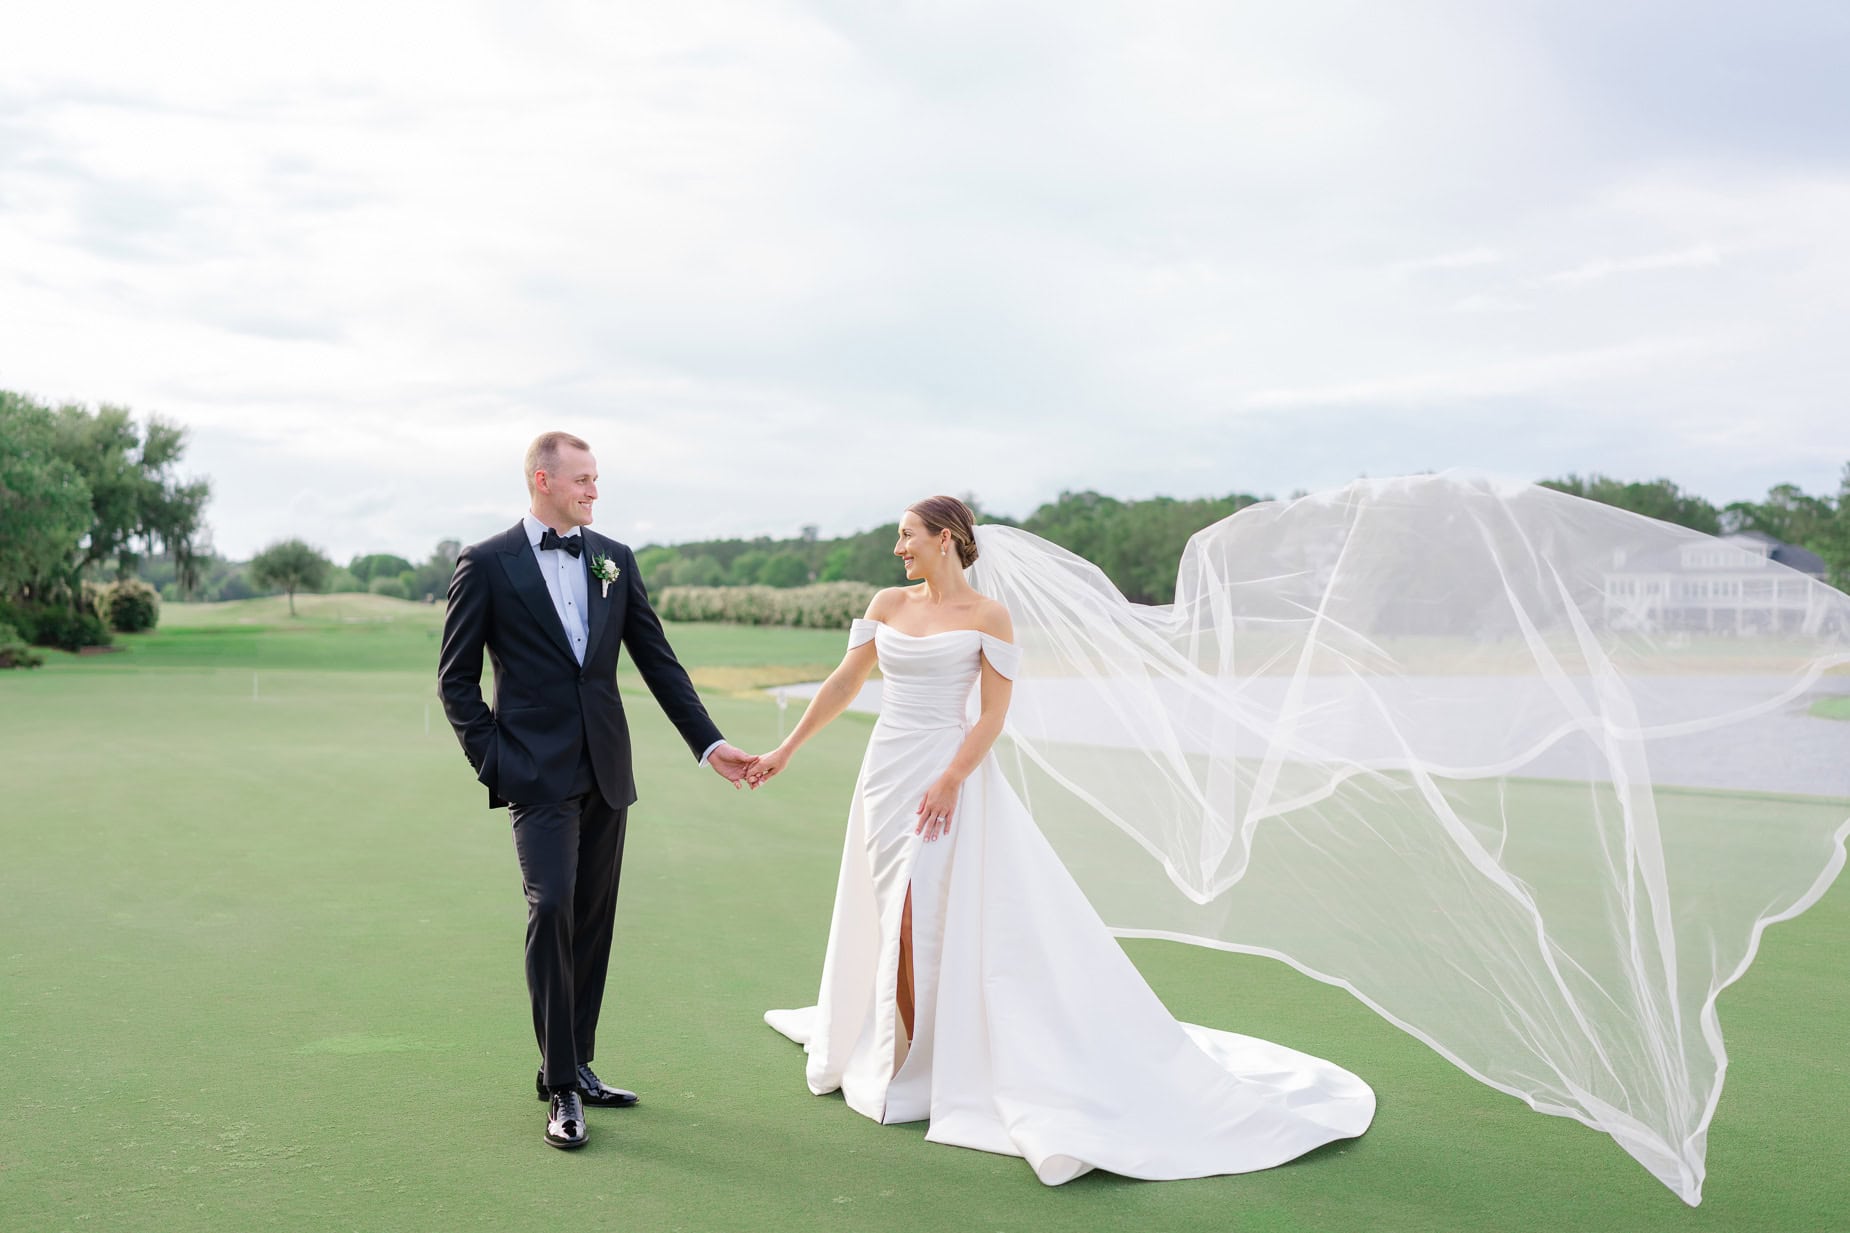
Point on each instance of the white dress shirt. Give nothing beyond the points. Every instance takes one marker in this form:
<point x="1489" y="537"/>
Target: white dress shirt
<point x="567" y="582"/>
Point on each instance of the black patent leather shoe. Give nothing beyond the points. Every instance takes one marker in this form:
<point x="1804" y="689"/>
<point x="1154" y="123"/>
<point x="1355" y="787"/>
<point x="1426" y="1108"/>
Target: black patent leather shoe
<point x="597" y="1092"/>
<point x="565" y="1121"/>
<point x="594" y="1090"/>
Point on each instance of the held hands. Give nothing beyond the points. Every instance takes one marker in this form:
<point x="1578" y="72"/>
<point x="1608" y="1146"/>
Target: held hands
<point x="732" y="764"/>
<point x="766" y="765"/>
<point x="936" y="810"/>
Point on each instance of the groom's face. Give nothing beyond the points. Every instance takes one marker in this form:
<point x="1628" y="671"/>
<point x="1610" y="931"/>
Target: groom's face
<point x="566" y="492"/>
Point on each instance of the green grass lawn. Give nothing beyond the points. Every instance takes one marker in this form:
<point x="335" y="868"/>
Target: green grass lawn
<point x="260" y="967"/>
<point x="1831" y="708"/>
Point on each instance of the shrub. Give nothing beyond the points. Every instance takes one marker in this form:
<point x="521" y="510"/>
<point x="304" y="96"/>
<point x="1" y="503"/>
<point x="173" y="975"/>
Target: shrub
<point x="825" y="605"/>
<point x="390" y="587"/>
<point x="22" y="619"/>
<point x="62" y="627"/>
<point x="14" y="653"/>
<point x="128" y="605"/>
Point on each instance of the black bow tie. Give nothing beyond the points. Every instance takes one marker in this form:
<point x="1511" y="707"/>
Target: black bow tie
<point x="550" y="539"/>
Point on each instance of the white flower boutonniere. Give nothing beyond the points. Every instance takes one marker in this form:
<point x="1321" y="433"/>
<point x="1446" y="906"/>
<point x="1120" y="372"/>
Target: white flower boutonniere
<point x="605" y="571"/>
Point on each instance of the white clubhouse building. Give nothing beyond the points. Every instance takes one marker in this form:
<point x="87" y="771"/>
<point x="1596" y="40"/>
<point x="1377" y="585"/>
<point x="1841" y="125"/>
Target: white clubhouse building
<point x="1745" y="583"/>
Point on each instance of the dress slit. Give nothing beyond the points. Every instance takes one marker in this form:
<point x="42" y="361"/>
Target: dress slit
<point x="902" y="985"/>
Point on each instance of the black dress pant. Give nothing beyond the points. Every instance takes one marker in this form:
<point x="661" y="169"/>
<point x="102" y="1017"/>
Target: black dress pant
<point x="571" y="857"/>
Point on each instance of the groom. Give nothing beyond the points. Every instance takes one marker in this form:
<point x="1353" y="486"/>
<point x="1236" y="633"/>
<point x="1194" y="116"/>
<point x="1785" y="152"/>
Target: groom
<point x="551" y="601"/>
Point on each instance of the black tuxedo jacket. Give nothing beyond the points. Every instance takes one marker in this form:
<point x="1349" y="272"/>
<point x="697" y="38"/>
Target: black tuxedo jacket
<point x="548" y="711"/>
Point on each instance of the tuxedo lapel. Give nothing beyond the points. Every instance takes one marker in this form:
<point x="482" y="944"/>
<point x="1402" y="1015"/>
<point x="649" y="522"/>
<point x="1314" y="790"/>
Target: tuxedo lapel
<point x="595" y="599"/>
<point x="523" y="573"/>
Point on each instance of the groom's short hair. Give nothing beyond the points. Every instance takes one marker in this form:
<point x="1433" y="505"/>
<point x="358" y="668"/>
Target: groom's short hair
<point x="543" y="454"/>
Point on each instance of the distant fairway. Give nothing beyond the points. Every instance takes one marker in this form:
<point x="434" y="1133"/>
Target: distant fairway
<point x="260" y="967"/>
<point x="1831" y="708"/>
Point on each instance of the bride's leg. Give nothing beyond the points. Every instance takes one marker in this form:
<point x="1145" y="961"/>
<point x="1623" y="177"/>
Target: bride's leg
<point x="903" y="984"/>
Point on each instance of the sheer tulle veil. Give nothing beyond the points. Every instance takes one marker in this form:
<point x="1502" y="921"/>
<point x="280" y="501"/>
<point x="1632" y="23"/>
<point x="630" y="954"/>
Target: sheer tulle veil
<point x="1527" y="774"/>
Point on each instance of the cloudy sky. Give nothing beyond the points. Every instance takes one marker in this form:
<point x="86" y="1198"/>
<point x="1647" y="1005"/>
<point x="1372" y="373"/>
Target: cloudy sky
<point x="788" y="263"/>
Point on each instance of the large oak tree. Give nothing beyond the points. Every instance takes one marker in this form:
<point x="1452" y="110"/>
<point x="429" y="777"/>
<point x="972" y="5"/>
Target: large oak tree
<point x="124" y="475"/>
<point x="44" y="502"/>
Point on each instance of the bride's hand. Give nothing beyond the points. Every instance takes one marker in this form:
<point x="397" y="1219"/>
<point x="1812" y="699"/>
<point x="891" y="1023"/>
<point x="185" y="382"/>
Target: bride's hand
<point x="938" y="807"/>
<point x="767" y="765"/>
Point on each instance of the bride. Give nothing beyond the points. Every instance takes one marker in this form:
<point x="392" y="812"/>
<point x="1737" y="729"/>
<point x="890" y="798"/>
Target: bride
<point x="1527" y="775"/>
<point x="967" y="979"/>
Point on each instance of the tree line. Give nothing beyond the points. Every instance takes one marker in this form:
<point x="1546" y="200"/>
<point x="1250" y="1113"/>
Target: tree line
<point x="93" y="498"/>
<point x="1788" y="514"/>
<point x="1138" y="544"/>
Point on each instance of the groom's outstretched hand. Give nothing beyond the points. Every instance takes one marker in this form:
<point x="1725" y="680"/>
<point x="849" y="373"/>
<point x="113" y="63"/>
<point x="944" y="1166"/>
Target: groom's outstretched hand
<point x="732" y="764"/>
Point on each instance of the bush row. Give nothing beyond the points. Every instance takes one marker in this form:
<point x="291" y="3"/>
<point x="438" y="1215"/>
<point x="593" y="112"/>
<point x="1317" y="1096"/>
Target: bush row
<point x="54" y="625"/>
<point x="823" y="605"/>
<point x="128" y="606"/>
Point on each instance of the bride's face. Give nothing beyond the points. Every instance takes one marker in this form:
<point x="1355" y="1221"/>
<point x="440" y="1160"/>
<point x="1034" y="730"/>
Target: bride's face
<point x="917" y="547"/>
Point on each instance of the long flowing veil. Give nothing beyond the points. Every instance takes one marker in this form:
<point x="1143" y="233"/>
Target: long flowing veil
<point x="1527" y="774"/>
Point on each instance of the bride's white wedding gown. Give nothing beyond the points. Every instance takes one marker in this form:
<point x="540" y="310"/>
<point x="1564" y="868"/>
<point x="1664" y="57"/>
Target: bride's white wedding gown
<point x="1033" y="1033"/>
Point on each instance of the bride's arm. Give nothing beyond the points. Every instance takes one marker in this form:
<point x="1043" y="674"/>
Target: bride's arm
<point x="940" y="803"/>
<point x="830" y="700"/>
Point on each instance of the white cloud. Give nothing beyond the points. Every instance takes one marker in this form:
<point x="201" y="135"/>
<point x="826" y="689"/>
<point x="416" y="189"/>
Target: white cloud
<point x="1606" y="267"/>
<point x="1485" y="302"/>
<point x="1460" y="259"/>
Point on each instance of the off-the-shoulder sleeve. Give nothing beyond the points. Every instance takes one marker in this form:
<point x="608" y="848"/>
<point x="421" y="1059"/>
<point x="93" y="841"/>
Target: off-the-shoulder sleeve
<point x="1004" y="657"/>
<point x="861" y="631"/>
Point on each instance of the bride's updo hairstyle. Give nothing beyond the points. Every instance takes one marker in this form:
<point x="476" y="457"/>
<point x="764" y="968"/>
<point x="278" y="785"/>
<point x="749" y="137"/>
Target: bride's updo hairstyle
<point x="941" y="513"/>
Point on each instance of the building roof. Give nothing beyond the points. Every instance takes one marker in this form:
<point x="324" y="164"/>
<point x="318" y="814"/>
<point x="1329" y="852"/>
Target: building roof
<point x="1794" y="557"/>
<point x="1667" y="559"/>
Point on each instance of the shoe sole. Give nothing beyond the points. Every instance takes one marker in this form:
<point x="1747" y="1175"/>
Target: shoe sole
<point x="567" y="1145"/>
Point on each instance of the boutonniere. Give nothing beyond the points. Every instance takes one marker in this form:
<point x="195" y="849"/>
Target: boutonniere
<point x="605" y="571"/>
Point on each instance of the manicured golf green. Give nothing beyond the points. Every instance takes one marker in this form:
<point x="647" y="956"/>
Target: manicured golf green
<point x="260" y="967"/>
